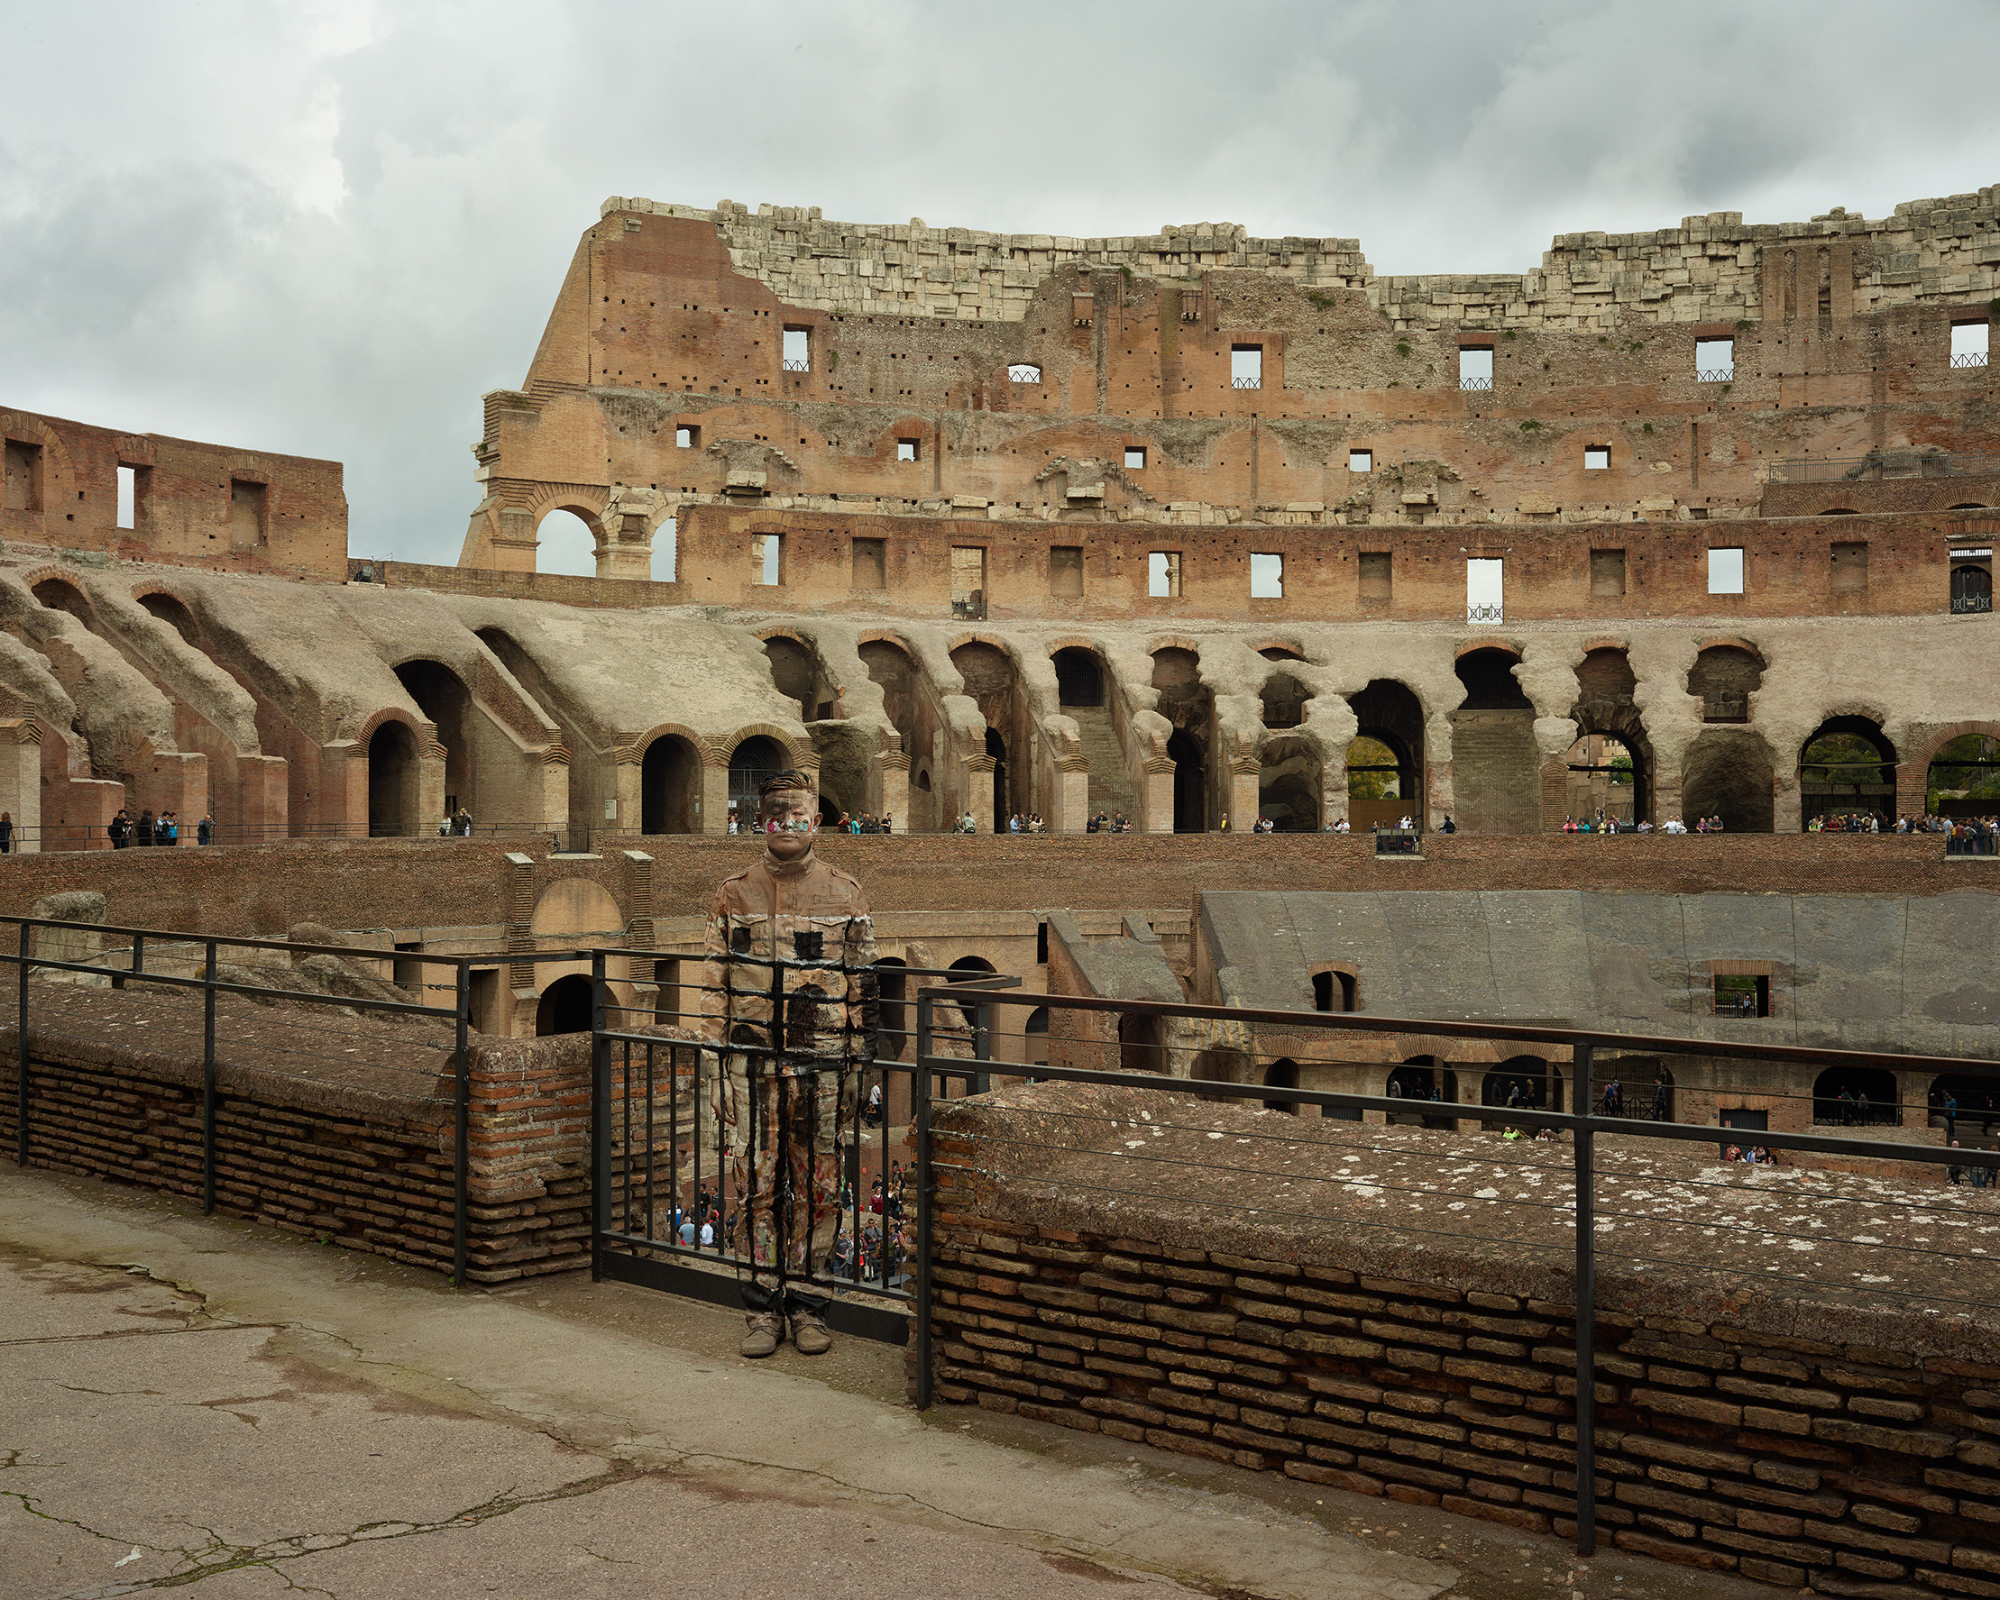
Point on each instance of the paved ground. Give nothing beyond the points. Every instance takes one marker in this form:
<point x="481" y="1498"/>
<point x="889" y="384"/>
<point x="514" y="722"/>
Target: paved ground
<point x="186" y="1403"/>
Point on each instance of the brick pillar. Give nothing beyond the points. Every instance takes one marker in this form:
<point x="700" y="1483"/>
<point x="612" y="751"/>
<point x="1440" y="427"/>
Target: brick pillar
<point x="1554" y="778"/>
<point x="1245" y="774"/>
<point x="1787" y="804"/>
<point x="344" y="789"/>
<point x="549" y="810"/>
<point x="1157" y="797"/>
<point x="892" y="798"/>
<point x="21" y="782"/>
<point x="625" y="548"/>
<point x="1069" y="806"/>
<point x="430" y="788"/>
<point x="714" y="816"/>
<point x="263" y="797"/>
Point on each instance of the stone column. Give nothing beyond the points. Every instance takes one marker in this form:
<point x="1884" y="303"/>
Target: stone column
<point x="979" y="791"/>
<point x="715" y="792"/>
<point x="1070" y="805"/>
<point x="625" y="547"/>
<point x="514" y="542"/>
<point x="550" y="811"/>
<point x="1787" y="804"/>
<point x="263" y="797"/>
<point x="1244" y="797"/>
<point x="1158" y="796"/>
<point x="21" y="782"/>
<point x="343" y="801"/>
<point x="430" y="788"/>
<point x="893" y="789"/>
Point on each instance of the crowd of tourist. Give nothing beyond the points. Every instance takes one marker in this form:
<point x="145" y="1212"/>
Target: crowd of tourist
<point x="127" y="832"/>
<point x="456" y="824"/>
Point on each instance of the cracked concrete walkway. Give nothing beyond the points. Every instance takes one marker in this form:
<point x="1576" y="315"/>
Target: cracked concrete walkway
<point x="202" y="1403"/>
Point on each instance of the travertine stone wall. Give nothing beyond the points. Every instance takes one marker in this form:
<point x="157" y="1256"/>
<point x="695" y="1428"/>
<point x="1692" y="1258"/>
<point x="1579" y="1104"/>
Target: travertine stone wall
<point x="1707" y="269"/>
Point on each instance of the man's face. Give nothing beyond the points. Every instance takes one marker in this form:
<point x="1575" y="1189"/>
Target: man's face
<point x="789" y="820"/>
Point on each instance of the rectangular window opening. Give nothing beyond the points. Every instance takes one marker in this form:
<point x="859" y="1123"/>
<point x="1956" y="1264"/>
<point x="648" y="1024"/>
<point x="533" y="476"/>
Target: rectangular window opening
<point x="688" y="438"/>
<point x="1246" y="366"/>
<point x="1597" y="458"/>
<point x="798" y="350"/>
<point x="1024" y="372"/>
<point x="1163" y="575"/>
<point x="1714" y="360"/>
<point x="1375" y="575"/>
<point x="128" y="497"/>
<point x="1742" y="996"/>
<point x="909" y="449"/>
<point x="24" y="476"/>
<point x="1725" y="570"/>
<point x="1361" y="461"/>
<point x="1969" y="344"/>
<point x="1475" y="366"/>
<point x="1135" y="457"/>
<point x="410" y="974"/>
<point x="247" y="503"/>
<point x="1607" y="572"/>
<point x="1485" y="588"/>
<point x="871" y="564"/>
<point x="767" y="557"/>
<point x="968" y="581"/>
<point x="1066" y="571"/>
<point x="666" y="551"/>
<point x="1267" y="575"/>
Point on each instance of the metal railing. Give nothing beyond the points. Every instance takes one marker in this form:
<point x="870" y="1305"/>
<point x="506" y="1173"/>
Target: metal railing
<point x="1715" y="375"/>
<point x="1969" y="358"/>
<point x="1246" y="383"/>
<point x="1888" y="464"/>
<point x="798" y="366"/>
<point x="1475" y="383"/>
<point x="971" y="608"/>
<point x="1398" y="842"/>
<point x="1970" y="604"/>
<point x="1484" y="613"/>
<point x="1597" y="1063"/>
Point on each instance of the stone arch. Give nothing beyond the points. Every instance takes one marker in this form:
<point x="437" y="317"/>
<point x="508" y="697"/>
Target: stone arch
<point x="1726" y="672"/>
<point x="1847" y="767"/>
<point x="755" y="752"/>
<point x="1539" y="1083"/>
<point x="1276" y="649"/>
<point x="1427" y="1081"/>
<point x="1496" y="764"/>
<point x="590" y="514"/>
<point x="395" y="778"/>
<point x="1605" y="709"/>
<point x="1282" y="1074"/>
<point x="1173" y="641"/>
<point x="159" y="601"/>
<point x="1468" y="647"/>
<point x="58" y="590"/>
<point x="1082" y="678"/>
<point x="991" y="678"/>
<point x="1189" y="704"/>
<point x="1290" y="777"/>
<point x="670" y="782"/>
<point x="1915" y="788"/>
<point x="445" y="699"/>
<point x="798" y="673"/>
<point x="1389" y="712"/>
<point x="1872" y="1096"/>
<point x="564" y="1007"/>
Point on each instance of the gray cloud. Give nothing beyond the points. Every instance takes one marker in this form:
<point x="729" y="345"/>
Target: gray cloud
<point x="328" y="228"/>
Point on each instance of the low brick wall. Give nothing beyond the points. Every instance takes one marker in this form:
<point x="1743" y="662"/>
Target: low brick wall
<point x="363" y="1155"/>
<point x="1848" y="1443"/>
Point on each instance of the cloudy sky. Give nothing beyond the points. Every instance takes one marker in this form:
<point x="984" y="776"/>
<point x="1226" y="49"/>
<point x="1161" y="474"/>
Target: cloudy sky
<point x="327" y="228"/>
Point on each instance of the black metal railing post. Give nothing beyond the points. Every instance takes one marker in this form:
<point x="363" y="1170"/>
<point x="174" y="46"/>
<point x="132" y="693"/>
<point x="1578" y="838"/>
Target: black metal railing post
<point x="461" y="1175"/>
<point x="208" y="1081"/>
<point x="920" y="1115"/>
<point x="982" y="1045"/>
<point x="1586" y="1304"/>
<point x="21" y="1068"/>
<point x="600" y="1121"/>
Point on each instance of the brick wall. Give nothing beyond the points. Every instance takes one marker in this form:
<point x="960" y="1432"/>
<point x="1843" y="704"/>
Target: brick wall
<point x="1831" y="1444"/>
<point x="376" y="883"/>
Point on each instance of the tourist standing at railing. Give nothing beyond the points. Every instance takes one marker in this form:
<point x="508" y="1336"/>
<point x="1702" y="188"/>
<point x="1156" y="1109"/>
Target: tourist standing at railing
<point x="6" y="832"/>
<point x="204" y="832"/>
<point x="779" y="1116"/>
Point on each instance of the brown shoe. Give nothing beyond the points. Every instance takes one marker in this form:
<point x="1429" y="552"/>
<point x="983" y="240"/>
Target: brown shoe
<point x="809" y="1335"/>
<point x="765" y="1334"/>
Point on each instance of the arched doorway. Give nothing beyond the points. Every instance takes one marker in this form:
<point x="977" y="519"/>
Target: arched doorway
<point x="1385" y="771"/>
<point x="750" y="763"/>
<point x="441" y="695"/>
<point x="1963" y="779"/>
<point x="1079" y="677"/>
<point x="988" y="674"/>
<point x="393" y="782"/>
<point x="1495" y="762"/>
<point x="1971" y="587"/>
<point x="1857" y="1097"/>
<point x="1603" y="781"/>
<point x="1723" y="678"/>
<point x="59" y="594"/>
<point x="1524" y="1083"/>
<point x="1035" y="1037"/>
<point x="1334" y="990"/>
<point x="970" y="967"/>
<point x="796" y="674"/>
<point x="1727" y="773"/>
<point x="1282" y="1074"/>
<point x="1427" y="1081"/>
<point x="566" y="543"/>
<point x="1847" y="773"/>
<point x="669" y="786"/>
<point x="564" y="1007"/>
<point x="1189" y="704"/>
<point x="173" y="613"/>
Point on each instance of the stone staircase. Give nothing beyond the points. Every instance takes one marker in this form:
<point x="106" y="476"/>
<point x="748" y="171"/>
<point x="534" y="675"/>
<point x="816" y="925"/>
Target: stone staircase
<point x="1110" y="783"/>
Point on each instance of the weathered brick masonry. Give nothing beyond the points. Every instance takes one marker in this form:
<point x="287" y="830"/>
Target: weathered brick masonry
<point x="376" y="883"/>
<point x="1811" y="1438"/>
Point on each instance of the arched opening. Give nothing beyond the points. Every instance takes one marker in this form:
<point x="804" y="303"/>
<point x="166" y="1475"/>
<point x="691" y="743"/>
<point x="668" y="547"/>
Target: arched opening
<point x="1522" y="1083"/>
<point x="173" y="613"/>
<point x="1079" y="678"/>
<point x="1495" y="762"/>
<point x="566" y="544"/>
<point x="58" y="594"/>
<point x="829" y="813"/>
<point x="1190" y="783"/>
<point x="1603" y="781"/>
<point x="895" y="673"/>
<point x="393" y="782"/>
<point x="750" y="763"/>
<point x="1035" y="1037"/>
<point x="1285" y="700"/>
<point x="1215" y="1066"/>
<point x="1963" y="779"/>
<point x="1966" y="1102"/>
<point x="1189" y="704"/>
<point x="1288" y="785"/>
<point x="972" y="967"/>
<point x="669" y="786"/>
<point x="1971" y="587"/>
<point x="1847" y="774"/>
<point x="1282" y="1074"/>
<point x="1334" y="991"/>
<point x="1856" y="1097"/>
<point x="996" y="747"/>
<point x="446" y="703"/>
<point x="1723" y="678"/>
<point x="1377" y="778"/>
<point x="1139" y="1048"/>
<point x="1728" y="774"/>
<point x="795" y="672"/>
<point x="1427" y="1081"/>
<point x="893" y="1028"/>
<point x="564" y="1007"/>
<point x="1281" y="652"/>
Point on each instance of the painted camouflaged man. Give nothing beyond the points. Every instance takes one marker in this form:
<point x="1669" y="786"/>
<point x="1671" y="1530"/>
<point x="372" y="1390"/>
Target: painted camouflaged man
<point x="781" y="1118"/>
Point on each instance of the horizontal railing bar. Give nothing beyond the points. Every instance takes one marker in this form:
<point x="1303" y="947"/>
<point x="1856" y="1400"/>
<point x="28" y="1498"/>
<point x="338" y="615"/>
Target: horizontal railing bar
<point x="240" y="942"/>
<point x="169" y="980"/>
<point x="1366" y="1022"/>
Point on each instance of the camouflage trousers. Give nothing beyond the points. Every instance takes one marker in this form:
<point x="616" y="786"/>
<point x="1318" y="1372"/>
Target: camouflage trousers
<point x="784" y="1164"/>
